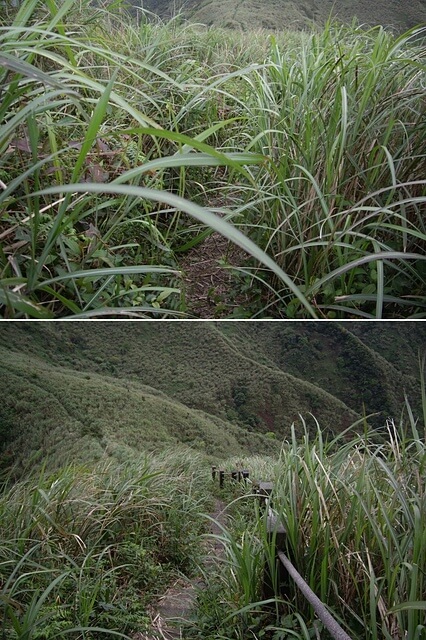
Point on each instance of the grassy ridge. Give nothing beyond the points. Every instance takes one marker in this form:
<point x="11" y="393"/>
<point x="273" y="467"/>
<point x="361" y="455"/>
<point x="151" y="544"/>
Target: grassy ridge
<point x="348" y="360"/>
<point x="125" y="387"/>
<point x="57" y="414"/>
<point x="122" y="142"/>
<point x="401" y="353"/>
<point x="273" y="14"/>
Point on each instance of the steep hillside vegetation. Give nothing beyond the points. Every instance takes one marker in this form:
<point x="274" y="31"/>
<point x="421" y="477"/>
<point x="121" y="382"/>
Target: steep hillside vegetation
<point x="284" y="14"/>
<point x="100" y="389"/>
<point x="337" y="359"/>
<point x="402" y="352"/>
<point x="52" y="412"/>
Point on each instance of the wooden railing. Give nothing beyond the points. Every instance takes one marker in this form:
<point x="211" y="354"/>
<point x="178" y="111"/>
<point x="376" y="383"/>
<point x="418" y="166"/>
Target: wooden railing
<point x="237" y="475"/>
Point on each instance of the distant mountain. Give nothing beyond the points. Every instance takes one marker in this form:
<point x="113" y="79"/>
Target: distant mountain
<point x="89" y="389"/>
<point x="293" y="14"/>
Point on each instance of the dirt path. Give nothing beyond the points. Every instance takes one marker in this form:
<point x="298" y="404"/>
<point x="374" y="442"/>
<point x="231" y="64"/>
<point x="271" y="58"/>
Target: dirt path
<point x="210" y="286"/>
<point x="177" y="603"/>
<point x="212" y="289"/>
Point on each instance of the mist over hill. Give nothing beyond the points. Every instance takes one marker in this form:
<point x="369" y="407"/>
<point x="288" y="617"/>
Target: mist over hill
<point x="86" y="390"/>
<point x="284" y="14"/>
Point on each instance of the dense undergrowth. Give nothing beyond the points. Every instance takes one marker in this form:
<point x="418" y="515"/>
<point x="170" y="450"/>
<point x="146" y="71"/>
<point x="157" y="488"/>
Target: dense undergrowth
<point x="84" y="551"/>
<point x="87" y="552"/>
<point x="122" y="145"/>
<point x="354" y="514"/>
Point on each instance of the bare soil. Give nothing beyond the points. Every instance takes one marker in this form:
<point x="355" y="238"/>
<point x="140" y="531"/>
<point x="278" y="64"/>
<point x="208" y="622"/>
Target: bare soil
<point x="211" y="280"/>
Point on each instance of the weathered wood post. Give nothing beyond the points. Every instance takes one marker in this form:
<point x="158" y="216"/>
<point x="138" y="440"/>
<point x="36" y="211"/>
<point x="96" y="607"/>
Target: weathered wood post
<point x="221" y="478"/>
<point x="275" y="578"/>
<point x="264" y="491"/>
<point x="214" y="469"/>
<point x="234" y="475"/>
<point x="245" y="474"/>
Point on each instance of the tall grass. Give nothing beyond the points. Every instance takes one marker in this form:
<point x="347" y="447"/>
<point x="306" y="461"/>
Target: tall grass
<point x="354" y="513"/>
<point x="84" y="551"/>
<point x="77" y="115"/>
<point x="112" y="134"/>
<point x="355" y="525"/>
<point x="340" y="200"/>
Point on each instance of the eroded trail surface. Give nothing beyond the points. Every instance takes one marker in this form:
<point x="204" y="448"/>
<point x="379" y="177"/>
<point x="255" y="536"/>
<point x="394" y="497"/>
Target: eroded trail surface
<point x="210" y="281"/>
<point x="177" y="604"/>
<point x="209" y="286"/>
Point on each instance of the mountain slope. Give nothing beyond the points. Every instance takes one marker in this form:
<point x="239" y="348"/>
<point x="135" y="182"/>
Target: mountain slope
<point x="362" y="364"/>
<point x="284" y="14"/>
<point x="97" y="388"/>
<point x="399" y="343"/>
<point x="193" y="363"/>
<point x="56" y="412"/>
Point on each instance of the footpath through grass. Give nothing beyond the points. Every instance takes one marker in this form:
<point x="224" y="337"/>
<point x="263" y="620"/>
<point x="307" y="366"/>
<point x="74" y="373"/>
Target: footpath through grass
<point x="86" y="554"/>
<point x="84" y="551"/>
<point x="355" y="518"/>
<point x="123" y="145"/>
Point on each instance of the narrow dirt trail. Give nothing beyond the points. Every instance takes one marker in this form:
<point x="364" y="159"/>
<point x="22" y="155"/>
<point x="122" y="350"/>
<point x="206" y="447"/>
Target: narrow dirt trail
<point x="209" y="286"/>
<point x="210" y="281"/>
<point x="177" y="604"/>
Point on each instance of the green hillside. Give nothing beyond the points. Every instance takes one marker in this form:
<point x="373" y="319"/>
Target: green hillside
<point x="352" y="361"/>
<point x="109" y="513"/>
<point x="285" y="14"/>
<point x="91" y="390"/>
<point x="55" y="413"/>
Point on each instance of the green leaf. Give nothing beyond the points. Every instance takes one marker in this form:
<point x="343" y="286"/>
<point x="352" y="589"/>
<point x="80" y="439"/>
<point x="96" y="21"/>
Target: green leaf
<point x="199" y="213"/>
<point x="28" y="70"/>
<point x="94" y="274"/>
<point x="419" y="605"/>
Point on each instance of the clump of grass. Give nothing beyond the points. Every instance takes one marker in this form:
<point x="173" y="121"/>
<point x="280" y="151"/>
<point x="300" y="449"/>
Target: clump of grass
<point x="84" y="551"/>
<point x="339" y="203"/>
<point x="354" y="525"/>
<point x="353" y="510"/>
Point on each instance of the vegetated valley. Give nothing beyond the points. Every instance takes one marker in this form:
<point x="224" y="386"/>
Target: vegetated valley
<point x="179" y="168"/>
<point x="107" y="436"/>
<point x="285" y="14"/>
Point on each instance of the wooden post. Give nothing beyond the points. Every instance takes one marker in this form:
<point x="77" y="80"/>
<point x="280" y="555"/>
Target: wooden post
<point x="214" y="469"/>
<point x="246" y="474"/>
<point x="221" y="478"/>
<point x="234" y="475"/>
<point x="271" y="588"/>
<point x="265" y="490"/>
